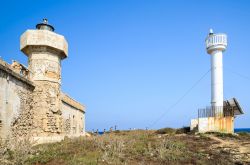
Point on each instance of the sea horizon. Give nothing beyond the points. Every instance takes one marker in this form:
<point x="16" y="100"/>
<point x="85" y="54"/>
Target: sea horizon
<point x="236" y="130"/>
<point x="242" y="130"/>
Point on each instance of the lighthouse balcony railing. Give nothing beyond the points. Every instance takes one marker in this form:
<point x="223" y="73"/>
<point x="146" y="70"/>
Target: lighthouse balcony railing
<point x="216" y="39"/>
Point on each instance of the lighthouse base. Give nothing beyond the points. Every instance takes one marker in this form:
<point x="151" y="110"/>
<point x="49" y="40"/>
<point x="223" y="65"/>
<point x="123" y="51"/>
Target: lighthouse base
<point x="213" y="124"/>
<point x="214" y="119"/>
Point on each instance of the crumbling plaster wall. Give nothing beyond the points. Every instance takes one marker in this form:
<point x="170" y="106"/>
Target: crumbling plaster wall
<point x="73" y="120"/>
<point x="16" y="114"/>
<point x="45" y="64"/>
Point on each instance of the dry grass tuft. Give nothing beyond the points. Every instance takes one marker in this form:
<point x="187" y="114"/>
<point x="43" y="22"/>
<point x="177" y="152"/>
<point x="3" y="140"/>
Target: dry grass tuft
<point x="15" y="151"/>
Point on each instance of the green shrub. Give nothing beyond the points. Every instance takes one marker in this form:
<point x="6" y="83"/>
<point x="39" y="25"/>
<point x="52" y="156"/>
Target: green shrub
<point x="183" y="130"/>
<point x="166" y="131"/>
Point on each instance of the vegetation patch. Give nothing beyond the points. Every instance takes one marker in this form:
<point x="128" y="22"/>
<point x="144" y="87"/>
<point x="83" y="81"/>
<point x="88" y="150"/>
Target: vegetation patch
<point x="124" y="147"/>
<point x="166" y="131"/>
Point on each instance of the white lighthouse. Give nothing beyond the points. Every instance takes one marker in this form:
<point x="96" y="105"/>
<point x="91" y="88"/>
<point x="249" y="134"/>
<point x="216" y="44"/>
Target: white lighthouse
<point x="215" y="45"/>
<point x="220" y="116"/>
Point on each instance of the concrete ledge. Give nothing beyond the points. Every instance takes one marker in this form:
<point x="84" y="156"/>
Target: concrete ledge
<point x="68" y="100"/>
<point x="4" y="66"/>
<point x="46" y="139"/>
<point x="52" y="139"/>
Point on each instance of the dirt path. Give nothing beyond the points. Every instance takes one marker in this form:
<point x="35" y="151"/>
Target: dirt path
<point x="240" y="150"/>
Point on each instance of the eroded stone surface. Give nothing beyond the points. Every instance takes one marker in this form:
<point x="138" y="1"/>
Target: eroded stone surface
<point x="47" y="107"/>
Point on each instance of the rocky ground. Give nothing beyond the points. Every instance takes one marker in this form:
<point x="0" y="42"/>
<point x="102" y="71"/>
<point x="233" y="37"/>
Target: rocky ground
<point x="238" y="147"/>
<point x="166" y="146"/>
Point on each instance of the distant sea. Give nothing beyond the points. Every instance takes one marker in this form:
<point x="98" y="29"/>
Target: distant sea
<point x="242" y="130"/>
<point x="235" y="130"/>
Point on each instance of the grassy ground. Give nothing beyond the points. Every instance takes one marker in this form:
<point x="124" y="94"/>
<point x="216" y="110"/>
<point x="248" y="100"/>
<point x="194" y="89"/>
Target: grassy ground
<point x="133" y="147"/>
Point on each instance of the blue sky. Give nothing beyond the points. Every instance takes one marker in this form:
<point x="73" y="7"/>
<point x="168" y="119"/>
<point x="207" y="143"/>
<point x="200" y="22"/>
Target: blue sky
<point x="130" y="60"/>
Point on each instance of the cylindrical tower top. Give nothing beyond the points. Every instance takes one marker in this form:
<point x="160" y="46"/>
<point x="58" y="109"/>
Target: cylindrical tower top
<point x="45" y="25"/>
<point x="216" y="42"/>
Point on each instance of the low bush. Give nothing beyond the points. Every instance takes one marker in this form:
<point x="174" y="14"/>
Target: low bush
<point x="165" y="131"/>
<point x="183" y="130"/>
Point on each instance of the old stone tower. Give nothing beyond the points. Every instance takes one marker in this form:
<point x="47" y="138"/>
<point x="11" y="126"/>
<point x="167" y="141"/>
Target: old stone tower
<point x="45" y="50"/>
<point x="50" y="115"/>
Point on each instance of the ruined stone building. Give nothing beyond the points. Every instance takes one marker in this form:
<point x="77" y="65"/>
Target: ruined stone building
<point x="31" y="101"/>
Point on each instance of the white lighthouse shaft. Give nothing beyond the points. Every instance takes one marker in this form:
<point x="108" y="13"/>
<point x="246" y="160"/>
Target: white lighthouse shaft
<point x="216" y="79"/>
<point x="216" y="44"/>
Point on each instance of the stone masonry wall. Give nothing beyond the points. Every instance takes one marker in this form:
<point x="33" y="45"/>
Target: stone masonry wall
<point x="16" y="112"/>
<point x="47" y="109"/>
<point x="46" y="74"/>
